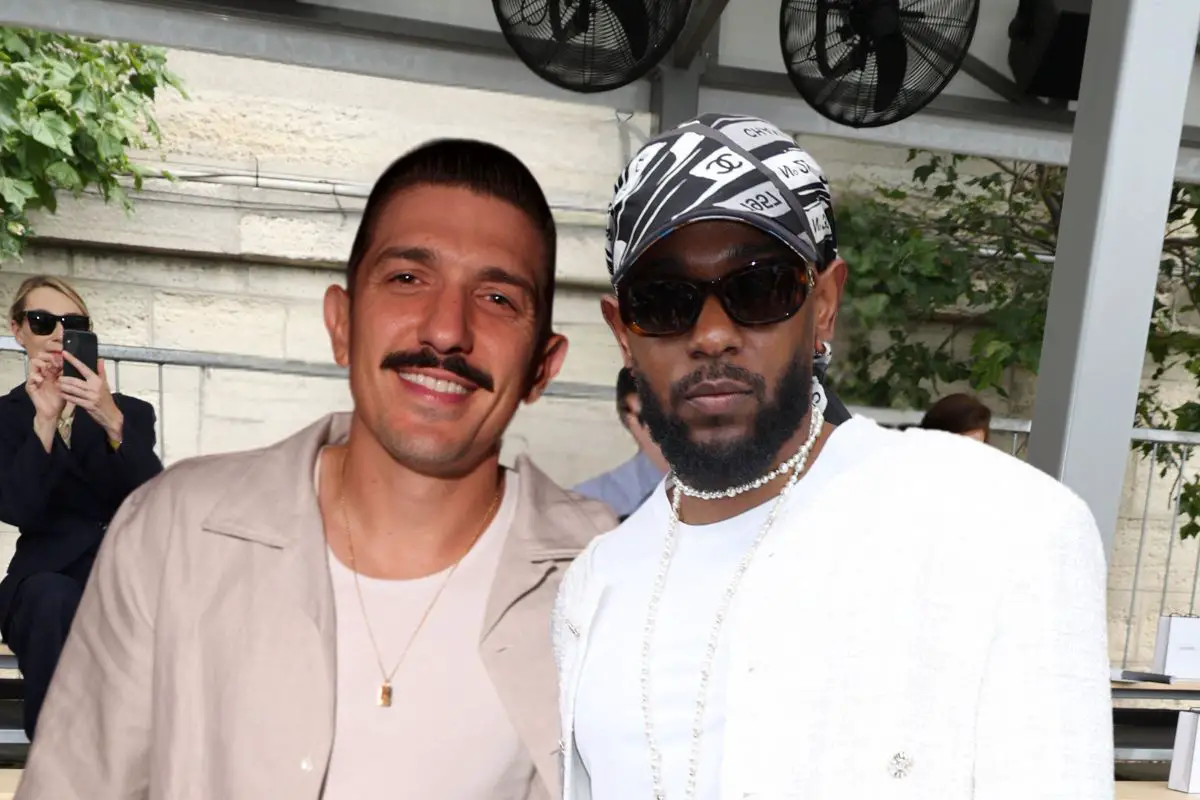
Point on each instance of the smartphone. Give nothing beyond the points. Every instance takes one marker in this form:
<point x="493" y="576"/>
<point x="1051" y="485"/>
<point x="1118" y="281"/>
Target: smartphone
<point x="84" y="346"/>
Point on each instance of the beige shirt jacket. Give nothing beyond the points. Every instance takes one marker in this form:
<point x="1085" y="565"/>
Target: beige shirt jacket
<point x="201" y="663"/>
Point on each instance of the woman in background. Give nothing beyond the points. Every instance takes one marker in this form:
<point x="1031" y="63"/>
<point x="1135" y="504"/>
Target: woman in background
<point x="70" y="453"/>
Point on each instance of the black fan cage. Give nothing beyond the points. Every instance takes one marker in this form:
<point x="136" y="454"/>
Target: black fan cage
<point x="591" y="45"/>
<point x="818" y="54"/>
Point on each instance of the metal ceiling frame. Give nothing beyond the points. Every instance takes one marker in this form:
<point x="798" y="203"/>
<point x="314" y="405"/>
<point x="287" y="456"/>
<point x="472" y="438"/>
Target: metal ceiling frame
<point x="691" y="80"/>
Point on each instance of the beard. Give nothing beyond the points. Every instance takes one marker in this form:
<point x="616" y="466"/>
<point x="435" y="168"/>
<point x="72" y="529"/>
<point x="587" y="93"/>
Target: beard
<point x="714" y="466"/>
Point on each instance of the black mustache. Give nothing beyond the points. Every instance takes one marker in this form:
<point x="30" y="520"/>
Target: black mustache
<point x="427" y="359"/>
<point x="718" y="372"/>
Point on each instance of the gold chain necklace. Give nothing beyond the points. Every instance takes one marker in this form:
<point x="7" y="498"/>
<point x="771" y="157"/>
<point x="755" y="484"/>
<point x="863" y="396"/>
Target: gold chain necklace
<point x="384" y="696"/>
<point x="66" y="421"/>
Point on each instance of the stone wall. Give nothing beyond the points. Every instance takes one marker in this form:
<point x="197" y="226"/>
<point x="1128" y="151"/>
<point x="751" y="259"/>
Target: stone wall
<point x="228" y="307"/>
<point x="229" y="268"/>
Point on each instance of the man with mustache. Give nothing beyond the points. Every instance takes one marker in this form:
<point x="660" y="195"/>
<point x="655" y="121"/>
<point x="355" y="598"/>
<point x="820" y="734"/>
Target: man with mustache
<point x="800" y="610"/>
<point x="363" y="610"/>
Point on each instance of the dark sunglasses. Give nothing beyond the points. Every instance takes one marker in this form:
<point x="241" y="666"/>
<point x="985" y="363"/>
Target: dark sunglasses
<point x="43" y="323"/>
<point x="761" y="293"/>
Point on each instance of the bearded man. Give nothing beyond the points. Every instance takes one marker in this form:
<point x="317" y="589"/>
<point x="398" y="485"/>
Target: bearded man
<point x="804" y="609"/>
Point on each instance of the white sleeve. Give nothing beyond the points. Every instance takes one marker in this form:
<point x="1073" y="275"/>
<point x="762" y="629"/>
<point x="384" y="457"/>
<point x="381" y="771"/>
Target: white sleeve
<point x="1044" y="729"/>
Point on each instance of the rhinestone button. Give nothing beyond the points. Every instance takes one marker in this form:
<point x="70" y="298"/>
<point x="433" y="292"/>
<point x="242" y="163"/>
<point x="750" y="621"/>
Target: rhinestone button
<point x="900" y="765"/>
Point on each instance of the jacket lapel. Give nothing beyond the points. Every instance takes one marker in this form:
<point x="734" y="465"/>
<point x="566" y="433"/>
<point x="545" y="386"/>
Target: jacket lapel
<point x="549" y="530"/>
<point x="276" y="506"/>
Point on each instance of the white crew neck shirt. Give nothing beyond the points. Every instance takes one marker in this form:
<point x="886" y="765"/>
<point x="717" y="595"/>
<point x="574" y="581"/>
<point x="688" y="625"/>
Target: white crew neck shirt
<point x="609" y="728"/>
<point x="446" y="734"/>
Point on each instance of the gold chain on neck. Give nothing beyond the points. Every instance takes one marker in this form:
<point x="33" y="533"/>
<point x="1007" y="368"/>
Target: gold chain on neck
<point x="384" y="697"/>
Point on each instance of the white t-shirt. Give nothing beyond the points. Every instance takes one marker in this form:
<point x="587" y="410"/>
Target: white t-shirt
<point x="609" y="727"/>
<point x="446" y="734"/>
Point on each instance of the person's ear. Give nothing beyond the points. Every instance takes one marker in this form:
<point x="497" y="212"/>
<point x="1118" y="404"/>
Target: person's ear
<point x="553" y="354"/>
<point x="827" y="299"/>
<point x="612" y="315"/>
<point x="337" y="323"/>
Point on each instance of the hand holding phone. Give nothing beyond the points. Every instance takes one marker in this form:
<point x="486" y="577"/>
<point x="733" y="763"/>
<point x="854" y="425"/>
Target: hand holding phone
<point x="89" y="392"/>
<point x="41" y="384"/>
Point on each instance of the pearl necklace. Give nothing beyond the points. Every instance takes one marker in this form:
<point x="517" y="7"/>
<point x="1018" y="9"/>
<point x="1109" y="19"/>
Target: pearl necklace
<point x="757" y="483"/>
<point x="795" y="465"/>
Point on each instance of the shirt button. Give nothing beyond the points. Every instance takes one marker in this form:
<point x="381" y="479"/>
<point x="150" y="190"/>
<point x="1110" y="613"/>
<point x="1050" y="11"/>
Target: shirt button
<point x="306" y="765"/>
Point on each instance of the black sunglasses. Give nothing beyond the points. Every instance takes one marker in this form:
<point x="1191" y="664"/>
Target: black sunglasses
<point x="761" y="293"/>
<point x="43" y="323"/>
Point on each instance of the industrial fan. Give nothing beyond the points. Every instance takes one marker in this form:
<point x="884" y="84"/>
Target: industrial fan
<point x="867" y="63"/>
<point x="591" y="45"/>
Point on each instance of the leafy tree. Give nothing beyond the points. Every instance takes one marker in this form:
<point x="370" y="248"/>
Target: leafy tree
<point x="966" y="249"/>
<point x="70" y="111"/>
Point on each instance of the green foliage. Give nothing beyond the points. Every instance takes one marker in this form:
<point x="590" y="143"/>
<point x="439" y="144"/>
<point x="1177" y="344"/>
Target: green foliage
<point x="965" y="249"/>
<point x="70" y="110"/>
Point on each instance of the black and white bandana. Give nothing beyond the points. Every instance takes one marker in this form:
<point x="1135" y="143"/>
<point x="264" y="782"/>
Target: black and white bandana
<point x="720" y="166"/>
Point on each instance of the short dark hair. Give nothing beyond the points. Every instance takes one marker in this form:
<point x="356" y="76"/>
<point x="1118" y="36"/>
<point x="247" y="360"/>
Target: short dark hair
<point x="482" y="168"/>
<point x="626" y="387"/>
<point x="957" y="413"/>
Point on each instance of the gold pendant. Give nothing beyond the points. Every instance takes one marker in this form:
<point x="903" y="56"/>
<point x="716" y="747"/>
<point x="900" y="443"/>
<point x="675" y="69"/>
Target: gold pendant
<point x="385" y="695"/>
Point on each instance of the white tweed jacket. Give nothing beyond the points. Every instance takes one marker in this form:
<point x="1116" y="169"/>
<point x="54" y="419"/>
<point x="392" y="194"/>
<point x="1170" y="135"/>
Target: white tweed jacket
<point x="932" y="629"/>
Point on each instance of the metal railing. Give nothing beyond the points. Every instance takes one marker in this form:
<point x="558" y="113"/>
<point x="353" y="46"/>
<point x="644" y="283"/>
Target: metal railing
<point x="1151" y="572"/>
<point x="161" y="358"/>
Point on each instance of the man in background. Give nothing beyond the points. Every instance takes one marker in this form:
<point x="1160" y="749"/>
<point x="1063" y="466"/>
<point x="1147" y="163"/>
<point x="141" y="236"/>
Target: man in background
<point x="624" y="488"/>
<point x="959" y="413"/>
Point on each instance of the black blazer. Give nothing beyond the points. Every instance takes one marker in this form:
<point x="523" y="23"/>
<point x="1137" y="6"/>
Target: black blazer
<point x="62" y="501"/>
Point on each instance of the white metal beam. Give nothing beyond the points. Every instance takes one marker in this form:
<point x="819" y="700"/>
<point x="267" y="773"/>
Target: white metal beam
<point x="973" y="126"/>
<point x="306" y="35"/>
<point x="1131" y="108"/>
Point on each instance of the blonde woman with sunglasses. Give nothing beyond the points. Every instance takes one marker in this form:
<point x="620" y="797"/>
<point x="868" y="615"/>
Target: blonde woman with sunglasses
<point x="71" y="451"/>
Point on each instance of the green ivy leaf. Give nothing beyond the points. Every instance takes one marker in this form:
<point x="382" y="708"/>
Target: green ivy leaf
<point x="53" y="131"/>
<point x="61" y="98"/>
<point x="64" y="175"/>
<point x="108" y="146"/>
<point x="16" y="192"/>
<point x="60" y="74"/>
<point x="13" y="43"/>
